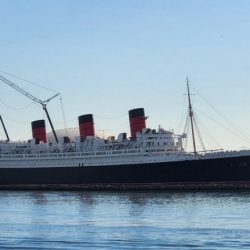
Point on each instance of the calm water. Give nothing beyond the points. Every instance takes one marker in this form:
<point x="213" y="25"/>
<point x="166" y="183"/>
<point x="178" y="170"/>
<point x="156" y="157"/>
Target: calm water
<point x="133" y="220"/>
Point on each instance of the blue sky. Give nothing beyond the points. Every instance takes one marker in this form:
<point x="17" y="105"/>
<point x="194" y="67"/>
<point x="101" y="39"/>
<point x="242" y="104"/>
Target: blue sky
<point x="107" y="57"/>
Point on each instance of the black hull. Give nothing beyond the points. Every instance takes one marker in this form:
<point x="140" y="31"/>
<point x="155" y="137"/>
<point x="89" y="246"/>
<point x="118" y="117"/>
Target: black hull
<point x="223" y="173"/>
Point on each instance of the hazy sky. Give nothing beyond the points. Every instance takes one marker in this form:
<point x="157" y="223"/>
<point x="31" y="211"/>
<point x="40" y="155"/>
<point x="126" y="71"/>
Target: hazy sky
<point x="108" y="56"/>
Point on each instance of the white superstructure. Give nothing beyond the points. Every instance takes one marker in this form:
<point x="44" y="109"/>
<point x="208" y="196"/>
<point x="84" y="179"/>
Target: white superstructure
<point x="150" y="146"/>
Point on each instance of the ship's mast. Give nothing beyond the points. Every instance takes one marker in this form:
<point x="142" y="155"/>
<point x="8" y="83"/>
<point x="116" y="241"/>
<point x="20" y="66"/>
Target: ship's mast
<point x="191" y="114"/>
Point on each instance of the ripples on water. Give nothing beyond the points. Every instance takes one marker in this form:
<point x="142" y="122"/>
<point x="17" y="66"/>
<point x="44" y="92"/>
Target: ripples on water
<point x="127" y="220"/>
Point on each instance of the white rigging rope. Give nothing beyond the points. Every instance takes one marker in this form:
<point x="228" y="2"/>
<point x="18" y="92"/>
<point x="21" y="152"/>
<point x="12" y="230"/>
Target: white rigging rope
<point x="13" y="120"/>
<point x="233" y="127"/>
<point x="14" y="108"/>
<point x="226" y="128"/>
<point x="199" y="133"/>
<point x="209" y="139"/>
<point x="27" y="81"/>
<point x="64" y="117"/>
<point x="182" y="117"/>
<point x="111" y="117"/>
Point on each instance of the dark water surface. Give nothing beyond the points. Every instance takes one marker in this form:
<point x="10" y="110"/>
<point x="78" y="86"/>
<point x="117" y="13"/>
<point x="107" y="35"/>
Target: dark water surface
<point x="125" y="220"/>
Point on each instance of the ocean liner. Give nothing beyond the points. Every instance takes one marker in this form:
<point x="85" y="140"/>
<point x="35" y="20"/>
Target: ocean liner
<point x="148" y="159"/>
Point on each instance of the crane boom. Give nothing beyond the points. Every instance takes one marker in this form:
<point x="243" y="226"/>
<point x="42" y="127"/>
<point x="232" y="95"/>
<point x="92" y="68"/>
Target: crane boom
<point x="13" y="85"/>
<point x="4" y="128"/>
<point x="34" y="99"/>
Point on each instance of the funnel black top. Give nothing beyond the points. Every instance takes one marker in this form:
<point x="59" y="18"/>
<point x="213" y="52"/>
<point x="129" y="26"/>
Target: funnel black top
<point x="136" y="113"/>
<point x="38" y="124"/>
<point x="85" y="118"/>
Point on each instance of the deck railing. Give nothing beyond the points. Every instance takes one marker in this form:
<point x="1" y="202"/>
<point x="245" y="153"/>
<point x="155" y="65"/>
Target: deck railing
<point x="71" y="154"/>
